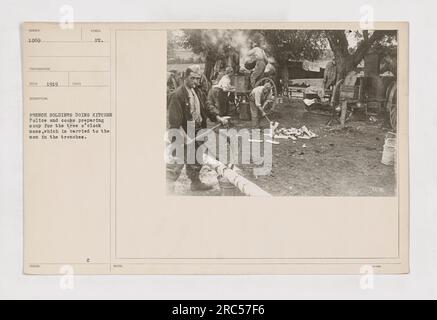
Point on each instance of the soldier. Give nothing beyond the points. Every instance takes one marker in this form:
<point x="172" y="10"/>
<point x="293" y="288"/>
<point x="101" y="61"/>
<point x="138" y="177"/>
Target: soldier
<point x="213" y="99"/>
<point x="189" y="104"/>
<point x="330" y="76"/>
<point x="258" y="59"/>
<point x="257" y="99"/>
<point x="202" y="83"/>
<point x="226" y="93"/>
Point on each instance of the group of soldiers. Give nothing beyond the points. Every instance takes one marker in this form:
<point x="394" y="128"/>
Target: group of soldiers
<point x="196" y="100"/>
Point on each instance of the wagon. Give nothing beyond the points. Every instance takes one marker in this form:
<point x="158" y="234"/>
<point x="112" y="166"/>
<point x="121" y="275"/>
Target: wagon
<point x="392" y="104"/>
<point x="371" y="95"/>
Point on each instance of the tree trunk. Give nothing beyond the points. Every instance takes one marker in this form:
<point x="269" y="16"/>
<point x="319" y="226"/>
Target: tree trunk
<point x="284" y="77"/>
<point x="344" y="65"/>
<point x="282" y="71"/>
<point x="209" y="66"/>
<point x="347" y="62"/>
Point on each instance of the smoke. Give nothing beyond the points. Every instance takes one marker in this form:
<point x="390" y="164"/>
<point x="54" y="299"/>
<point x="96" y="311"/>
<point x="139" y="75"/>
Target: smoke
<point x="221" y="39"/>
<point x="240" y="40"/>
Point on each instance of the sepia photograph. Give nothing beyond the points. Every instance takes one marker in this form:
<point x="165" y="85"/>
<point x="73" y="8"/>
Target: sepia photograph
<point x="282" y="112"/>
<point x="304" y="119"/>
<point x="217" y="152"/>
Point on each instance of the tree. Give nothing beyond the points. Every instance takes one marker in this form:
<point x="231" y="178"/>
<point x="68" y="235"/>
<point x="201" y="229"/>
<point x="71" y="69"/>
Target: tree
<point x="210" y="44"/>
<point x="285" y="45"/>
<point x="348" y="60"/>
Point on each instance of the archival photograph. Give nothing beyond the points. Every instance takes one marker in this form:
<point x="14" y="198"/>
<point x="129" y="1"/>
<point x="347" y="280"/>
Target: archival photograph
<point x="282" y="113"/>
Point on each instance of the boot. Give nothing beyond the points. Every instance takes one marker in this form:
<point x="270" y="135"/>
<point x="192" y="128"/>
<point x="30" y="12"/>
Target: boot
<point x="199" y="186"/>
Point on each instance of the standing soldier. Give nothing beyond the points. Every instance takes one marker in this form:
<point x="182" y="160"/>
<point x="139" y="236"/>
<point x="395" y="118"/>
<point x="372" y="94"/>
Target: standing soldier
<point x="189" y="104"/>
<point x="213" y="99"/>
<point x="330" y="76"/>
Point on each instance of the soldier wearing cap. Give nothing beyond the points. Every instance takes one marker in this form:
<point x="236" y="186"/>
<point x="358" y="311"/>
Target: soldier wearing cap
<point x="188" y="104"/>
<point x="258" y="97"/>
<point x="202" y="82"/>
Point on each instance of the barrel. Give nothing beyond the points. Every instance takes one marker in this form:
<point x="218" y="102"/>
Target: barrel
<point x="245" y="111"/>
<point x="241" y="83"/>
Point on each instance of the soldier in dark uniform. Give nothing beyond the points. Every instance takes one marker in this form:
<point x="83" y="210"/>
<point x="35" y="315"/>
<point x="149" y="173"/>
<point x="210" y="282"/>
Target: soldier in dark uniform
<point x="213" y="99"/>
<point x="188" y="103"/>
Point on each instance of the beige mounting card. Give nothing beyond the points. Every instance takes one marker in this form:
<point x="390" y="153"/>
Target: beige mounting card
<point x="96" y="197"/>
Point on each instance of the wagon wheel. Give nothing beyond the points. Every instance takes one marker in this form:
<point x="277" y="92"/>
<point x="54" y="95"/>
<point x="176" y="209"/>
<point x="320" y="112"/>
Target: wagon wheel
<point x="262" y="82"/>
<point x="392" y="105"/>
<point x="389" y="88"/>
<point x="334" y="101"/>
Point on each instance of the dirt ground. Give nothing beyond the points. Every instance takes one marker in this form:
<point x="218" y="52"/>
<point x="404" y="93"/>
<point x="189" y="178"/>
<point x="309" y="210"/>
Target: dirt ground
<point x="339" y="162"/>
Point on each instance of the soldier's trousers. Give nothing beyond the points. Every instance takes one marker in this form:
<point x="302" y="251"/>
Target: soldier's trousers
<point x="255" y="114"/>
<point x="223" y="103"/>
<point x="257" y="73"/>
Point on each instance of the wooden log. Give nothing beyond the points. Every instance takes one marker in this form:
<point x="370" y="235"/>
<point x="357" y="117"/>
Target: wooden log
<point x="343" y="113"/>
<point x="245" y="186"/>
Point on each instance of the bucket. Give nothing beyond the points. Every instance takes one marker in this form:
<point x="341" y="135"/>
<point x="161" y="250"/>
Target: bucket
<point x="227" y="188"/>
<point x="389" y="153"/>
<point x="245" y="111"/>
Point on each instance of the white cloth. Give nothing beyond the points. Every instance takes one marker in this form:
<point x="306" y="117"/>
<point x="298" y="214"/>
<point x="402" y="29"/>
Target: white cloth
<point x="194" y="106"/>
<point x="309" y="102"/>
<point x="311" y="66"/>
<point x="315" y="90"/>
<point x="270" y="68"/>
<point x="225" y="83"/>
